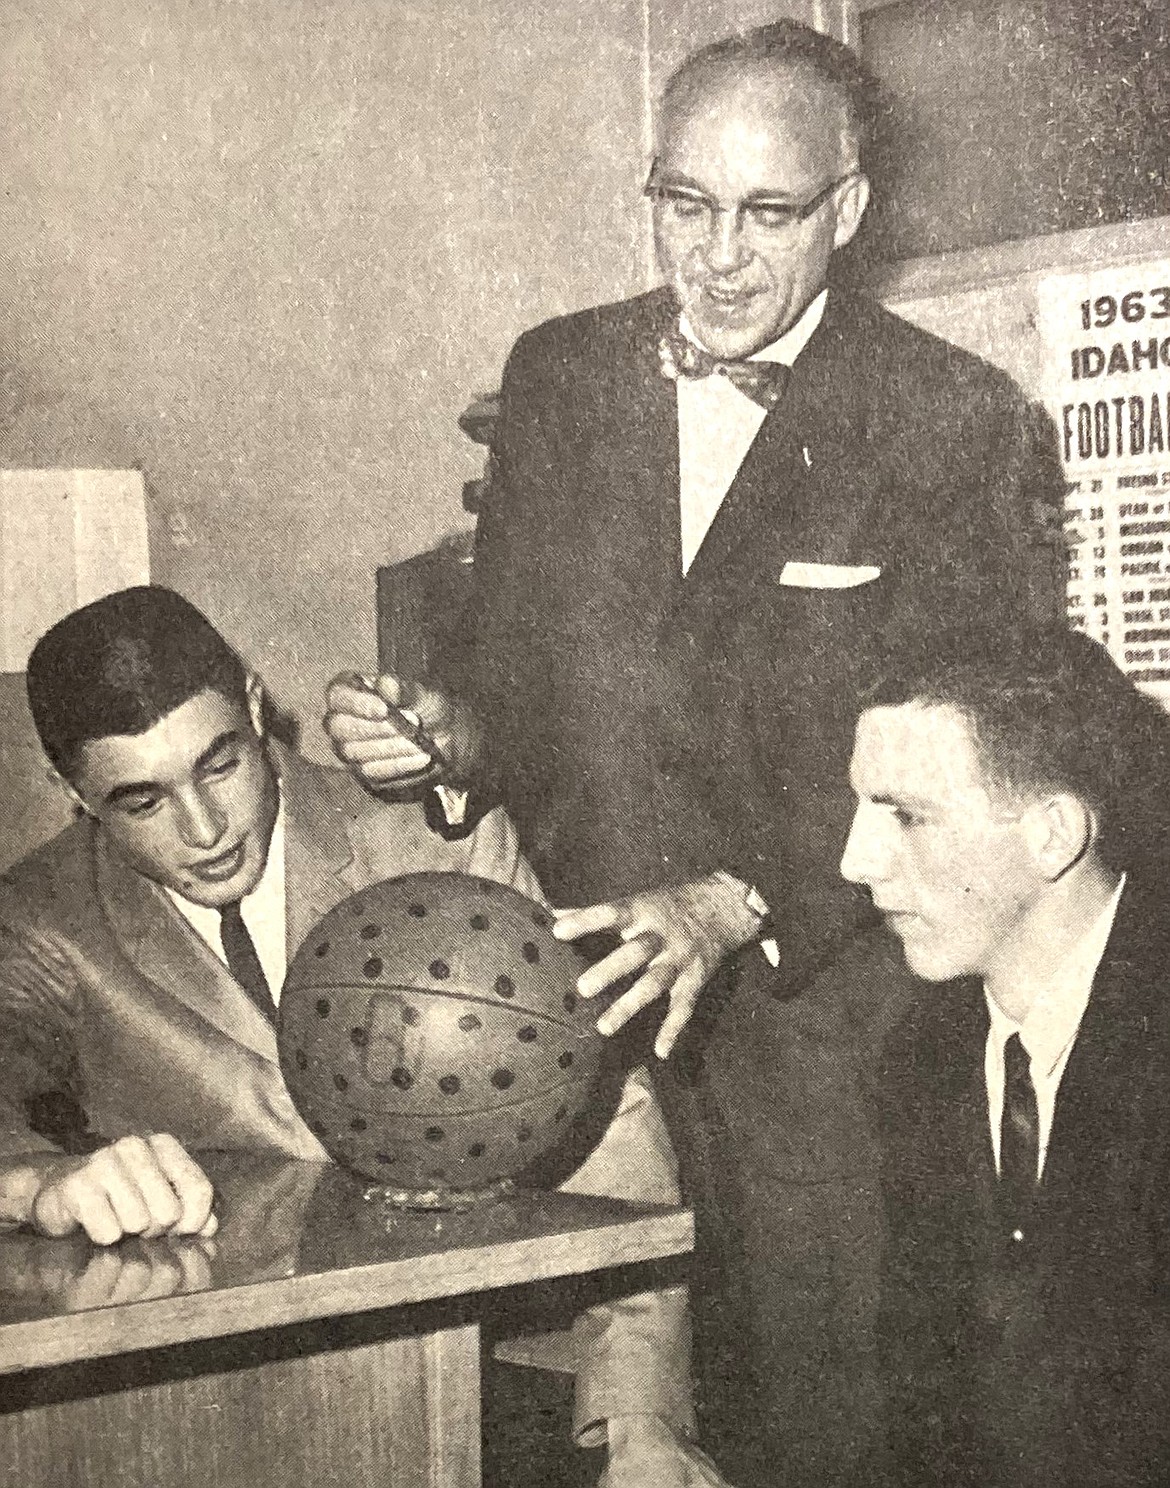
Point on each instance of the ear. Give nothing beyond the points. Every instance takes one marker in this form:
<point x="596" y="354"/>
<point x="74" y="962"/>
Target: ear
<point x="254" y="690"/>
<point x="1060" y="830"/>
<point x="851" y="205"/>
<point x="76" y="804"/>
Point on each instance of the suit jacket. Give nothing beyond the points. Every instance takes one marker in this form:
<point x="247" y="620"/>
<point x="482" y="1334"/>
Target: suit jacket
<point x="113" y="1008"/>
<point x="1047" y="1361"/>
<point x="643" y="727"/>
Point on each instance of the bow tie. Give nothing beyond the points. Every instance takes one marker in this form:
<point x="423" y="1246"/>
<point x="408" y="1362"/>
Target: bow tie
<point x="763" y="382"/>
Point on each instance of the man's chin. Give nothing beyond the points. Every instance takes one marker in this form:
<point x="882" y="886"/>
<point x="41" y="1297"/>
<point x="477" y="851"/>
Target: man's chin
<point x="928" y="967"/>
<point x="730" y="343"/>
<point x="214" y="892"/>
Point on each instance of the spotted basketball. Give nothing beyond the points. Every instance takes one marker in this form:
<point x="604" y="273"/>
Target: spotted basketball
<point x="432" y="1037"/>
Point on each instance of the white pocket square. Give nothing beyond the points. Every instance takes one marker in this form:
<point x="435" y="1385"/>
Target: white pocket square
<point x="828" y="575"/>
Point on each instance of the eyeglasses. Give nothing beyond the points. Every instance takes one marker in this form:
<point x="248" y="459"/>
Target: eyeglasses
<point x="687" y="209"/>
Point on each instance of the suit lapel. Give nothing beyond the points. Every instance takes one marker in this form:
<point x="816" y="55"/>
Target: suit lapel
<point x="796" y="493"/>
<point x="169" y="954"/>
<point x="321" y="863"/>
<point x="1118" y="1061"/>
<point x="637" y="482"/>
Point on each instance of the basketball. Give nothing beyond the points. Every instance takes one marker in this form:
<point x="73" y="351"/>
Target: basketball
<point x="432" y="1038"/>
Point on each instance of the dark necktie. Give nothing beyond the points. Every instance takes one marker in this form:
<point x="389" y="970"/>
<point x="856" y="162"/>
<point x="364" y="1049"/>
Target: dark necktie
<point x="1019" y="1133"/>
<point x="242" y="960"/>
<point x="763" y="382"/>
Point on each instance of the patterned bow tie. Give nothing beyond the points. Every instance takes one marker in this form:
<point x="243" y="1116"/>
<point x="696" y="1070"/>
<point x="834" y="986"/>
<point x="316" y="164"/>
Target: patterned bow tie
<point x="763" y="382"/>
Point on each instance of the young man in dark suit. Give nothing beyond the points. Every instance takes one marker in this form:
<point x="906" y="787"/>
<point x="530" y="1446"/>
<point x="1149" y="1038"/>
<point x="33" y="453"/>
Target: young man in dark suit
<point x="711" y="505"/>
<point x="1011" y="826"/>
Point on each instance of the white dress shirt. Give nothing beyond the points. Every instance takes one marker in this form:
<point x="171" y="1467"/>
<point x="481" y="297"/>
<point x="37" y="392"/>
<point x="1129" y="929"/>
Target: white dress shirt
<point x="1049" y="1030"/>
<point x="716" y="426"/>
<point x="263" y="911"/>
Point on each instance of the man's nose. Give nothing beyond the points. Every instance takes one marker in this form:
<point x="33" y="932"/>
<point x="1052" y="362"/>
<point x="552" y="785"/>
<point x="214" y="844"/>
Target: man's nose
<point x="865" y="860"/>
<point x="201" y="821"/>
<point x="725" y="247"/>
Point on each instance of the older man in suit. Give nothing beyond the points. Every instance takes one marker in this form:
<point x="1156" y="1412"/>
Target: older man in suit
<point x="711" y="506"/>
<point x="142" y="950"/>
<point x="1011" y="825"/>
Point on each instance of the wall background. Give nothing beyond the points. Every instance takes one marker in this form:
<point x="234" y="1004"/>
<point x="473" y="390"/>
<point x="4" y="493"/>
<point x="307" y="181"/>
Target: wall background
<point x="268" y="250"/>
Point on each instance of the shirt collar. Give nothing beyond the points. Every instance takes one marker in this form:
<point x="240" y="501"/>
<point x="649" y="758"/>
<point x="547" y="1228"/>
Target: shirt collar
<point x="1055" y="1016"/>
<point x="785" y="348"/>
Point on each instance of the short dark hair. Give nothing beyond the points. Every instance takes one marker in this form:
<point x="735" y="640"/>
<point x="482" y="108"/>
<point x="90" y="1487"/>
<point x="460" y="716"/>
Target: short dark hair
<point x="1050" y="710"/>
<point x="791" y="44"/>
<point x="120" y="664"/>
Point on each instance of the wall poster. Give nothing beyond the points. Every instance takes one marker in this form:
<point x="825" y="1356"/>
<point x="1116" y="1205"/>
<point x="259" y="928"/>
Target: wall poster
<point x="1106" y="339"/>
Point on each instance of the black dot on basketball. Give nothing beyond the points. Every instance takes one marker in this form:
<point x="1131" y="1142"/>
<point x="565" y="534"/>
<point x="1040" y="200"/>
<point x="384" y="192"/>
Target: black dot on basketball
<point x="385" y="1158"/>
<point x="359" y="1037"/>
<point x="371" y="932"/>
<point x="323" y="1007"/>
<point x="469" y="1023"/>
<point x="502" y="1078"/>
<point x="565" y="1060"/>
<point x="530" y="953"/>
<point x="410" y="1015"/>
<point x="373" y="967"/>
<point x="439" y="970"/>
<point x="477" y="1149"/>
<point x="341" y="1082"/>
<point x="505" y="986"/>
<point x="570" y="1002"/>
<point x="480" y="922"/>
<point x="434" y="1134"/>
<point x="302" y="1059"/>
<point x="358" y="1124"/>
<point x="419" y="911"/>
<point x="449" y="1084"/>
<point x="524" y="1134"/>
<point x="323" y="948"/>
<point x="402" y="1078"/>
<point x="527" y="1034"/>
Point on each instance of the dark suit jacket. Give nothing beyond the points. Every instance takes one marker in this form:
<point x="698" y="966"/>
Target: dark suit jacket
<point x="646" y="728"/>
<point x="1048" y="1362"/>
<point x="112" y="1006"/>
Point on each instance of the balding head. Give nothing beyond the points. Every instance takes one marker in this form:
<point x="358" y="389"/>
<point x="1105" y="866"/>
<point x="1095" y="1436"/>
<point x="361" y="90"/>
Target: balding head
<point x="798" y="67"/>
<point x="757" y="181"/>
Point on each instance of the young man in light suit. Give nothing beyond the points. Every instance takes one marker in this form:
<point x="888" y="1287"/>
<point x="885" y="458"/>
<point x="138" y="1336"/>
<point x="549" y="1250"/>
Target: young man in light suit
<point x="141" y="951"/>
<point x="1012" y="820"/>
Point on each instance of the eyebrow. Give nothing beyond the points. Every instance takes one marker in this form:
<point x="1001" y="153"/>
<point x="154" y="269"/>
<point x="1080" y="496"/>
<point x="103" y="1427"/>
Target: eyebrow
<point x="670" y="181"/>
<point x="916" y="803"/>
<point x="146" y="787"/>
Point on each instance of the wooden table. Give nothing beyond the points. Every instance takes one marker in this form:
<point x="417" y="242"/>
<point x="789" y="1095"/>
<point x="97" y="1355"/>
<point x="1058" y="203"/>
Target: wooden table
<point x="320" y="1339"/>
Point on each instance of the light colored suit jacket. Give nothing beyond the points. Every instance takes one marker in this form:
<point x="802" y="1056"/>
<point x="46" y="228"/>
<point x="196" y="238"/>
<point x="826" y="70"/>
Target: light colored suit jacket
<point x="111" y="1005"/>
<point x="109" y="998"/>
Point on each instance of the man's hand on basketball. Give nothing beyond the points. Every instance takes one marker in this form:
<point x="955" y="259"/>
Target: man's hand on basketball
<point x="673" y="939"/>
<point x="137" y="1186"/>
